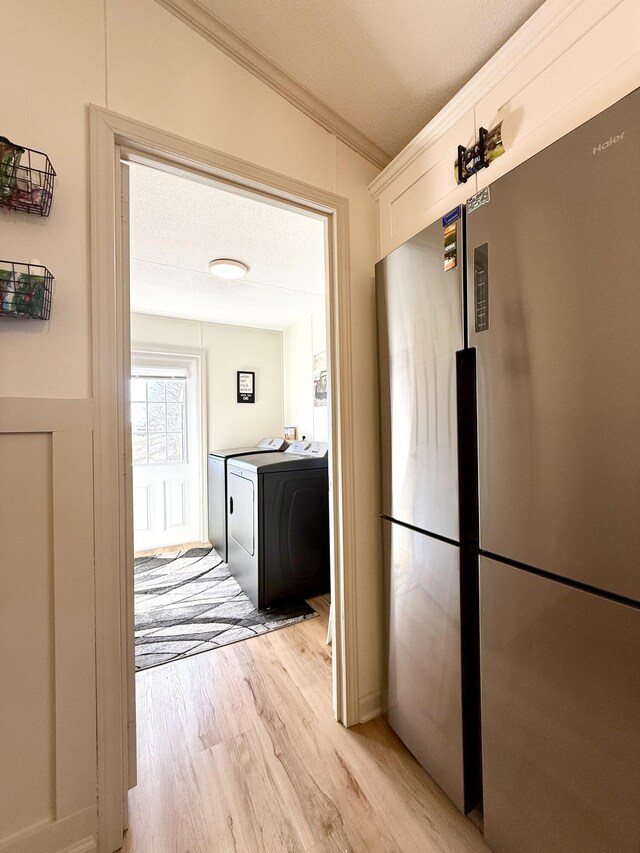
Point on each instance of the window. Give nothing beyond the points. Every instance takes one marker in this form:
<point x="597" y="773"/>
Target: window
<point x="158" y="419"/>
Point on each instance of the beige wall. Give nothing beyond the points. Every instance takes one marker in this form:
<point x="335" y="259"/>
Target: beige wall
<point x="301" y="342"/>
<point x="228" y="349"/>
<point x="47" y="649"/>
<point x="48" y="111"/>
<point x="297" y="362"/>
<point x="137" y="59"/>
<point x="321" y="426"/>
<point x="25" y="592"/>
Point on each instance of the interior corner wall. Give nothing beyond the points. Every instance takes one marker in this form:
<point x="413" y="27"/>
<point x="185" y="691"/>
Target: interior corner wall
<point x="302" y="341"/>
<point x="354" y="174"/>
<point x="227" y="349"/>
<point x="321" y="426"/>
<point x="297" y="363"/>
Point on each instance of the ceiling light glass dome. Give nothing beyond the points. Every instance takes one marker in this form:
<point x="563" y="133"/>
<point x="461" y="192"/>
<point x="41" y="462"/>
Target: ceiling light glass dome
<point x="228" y="268"/>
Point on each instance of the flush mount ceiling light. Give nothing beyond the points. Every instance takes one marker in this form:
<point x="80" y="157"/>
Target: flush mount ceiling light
<point x="228" y="268"/>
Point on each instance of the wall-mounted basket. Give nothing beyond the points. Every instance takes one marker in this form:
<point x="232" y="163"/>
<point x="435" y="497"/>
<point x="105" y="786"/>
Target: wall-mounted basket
<point x="25" y="290"/>
<point x="26" y="178"/>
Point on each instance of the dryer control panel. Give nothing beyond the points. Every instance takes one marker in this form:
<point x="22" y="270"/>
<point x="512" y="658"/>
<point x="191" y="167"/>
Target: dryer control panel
<point x="273" y="443"/>
<point x="309" y="448"/>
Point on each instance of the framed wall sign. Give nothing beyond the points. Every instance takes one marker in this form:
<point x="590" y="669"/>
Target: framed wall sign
<point x="246" y="386"/>
<point x="320" y="379"/>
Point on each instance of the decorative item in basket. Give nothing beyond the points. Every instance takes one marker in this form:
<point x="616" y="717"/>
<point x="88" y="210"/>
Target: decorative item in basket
<point x="10" y="156"/>
<point x="25" y="290"/>
<point x="26" y="178"/>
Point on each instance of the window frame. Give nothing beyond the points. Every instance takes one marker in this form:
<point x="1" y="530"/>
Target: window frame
<point x="149" y="374"/>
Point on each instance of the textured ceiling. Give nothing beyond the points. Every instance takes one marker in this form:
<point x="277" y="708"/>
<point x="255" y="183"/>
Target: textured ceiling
<point x="178" y="225"/>
<point x="386" y="67"/>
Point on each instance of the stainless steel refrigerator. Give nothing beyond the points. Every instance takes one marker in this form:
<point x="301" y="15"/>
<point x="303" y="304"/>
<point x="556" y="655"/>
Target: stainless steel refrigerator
<point x="554" y="311"/>
<point x="428" y="527"/>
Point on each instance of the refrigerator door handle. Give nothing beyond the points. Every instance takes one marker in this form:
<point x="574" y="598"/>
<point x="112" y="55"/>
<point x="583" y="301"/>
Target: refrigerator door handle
<point x="481" y="287"/>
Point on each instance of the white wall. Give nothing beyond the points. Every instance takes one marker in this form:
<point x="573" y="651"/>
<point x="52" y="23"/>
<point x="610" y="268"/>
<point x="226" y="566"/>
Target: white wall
<point x="302" y="341"/>
<point x="138" y="60"/>
<point x="228" y="349"/>
<point x="321" y="427"/>
<point x="297" y="343"/>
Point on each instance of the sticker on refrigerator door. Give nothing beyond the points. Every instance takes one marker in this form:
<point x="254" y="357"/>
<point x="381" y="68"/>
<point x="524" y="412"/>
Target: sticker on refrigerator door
<point x="477" y="200"/>
<point x="481" y="287"/>
<point x="451" y="246"/>
<point x="452" y="216"/>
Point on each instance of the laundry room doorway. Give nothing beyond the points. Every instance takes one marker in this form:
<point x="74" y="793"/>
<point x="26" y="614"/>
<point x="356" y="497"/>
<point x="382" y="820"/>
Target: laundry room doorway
<point x="118" y="142"/>
<point x="239" y="427"/>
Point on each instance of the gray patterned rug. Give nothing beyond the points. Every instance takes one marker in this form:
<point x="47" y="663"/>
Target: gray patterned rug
<point x="187" y="602"/>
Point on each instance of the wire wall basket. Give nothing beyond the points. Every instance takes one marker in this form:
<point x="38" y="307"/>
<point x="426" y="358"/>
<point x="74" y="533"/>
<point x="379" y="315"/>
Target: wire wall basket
<point x="26" y="178"/>
<point x="25" y="290"/>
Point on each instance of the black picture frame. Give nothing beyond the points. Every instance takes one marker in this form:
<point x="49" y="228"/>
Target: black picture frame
<point x="246" y="386"/>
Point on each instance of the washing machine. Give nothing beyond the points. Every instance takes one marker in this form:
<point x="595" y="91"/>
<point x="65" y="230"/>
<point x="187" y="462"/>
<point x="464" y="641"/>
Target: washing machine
<point x="217" y="486"/>
<point x="278" y="523"/>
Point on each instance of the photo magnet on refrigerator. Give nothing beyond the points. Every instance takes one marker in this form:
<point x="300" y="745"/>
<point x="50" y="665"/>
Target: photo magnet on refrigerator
<point x="451" y="246"/>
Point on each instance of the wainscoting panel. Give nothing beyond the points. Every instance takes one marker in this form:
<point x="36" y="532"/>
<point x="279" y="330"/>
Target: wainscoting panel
<point x="26" y="633"/>
<point x="75" y="620"/>
<point x="47" y="652"/>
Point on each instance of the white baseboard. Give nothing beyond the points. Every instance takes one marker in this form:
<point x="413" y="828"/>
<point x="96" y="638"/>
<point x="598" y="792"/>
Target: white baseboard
<point x="370" y="706"/>
<point x="53" y="836"/>
<point x="88" y="845"/>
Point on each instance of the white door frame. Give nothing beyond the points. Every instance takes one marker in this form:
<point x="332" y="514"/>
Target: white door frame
<point x="112" y="137"/>
<point x="199" y="357"/>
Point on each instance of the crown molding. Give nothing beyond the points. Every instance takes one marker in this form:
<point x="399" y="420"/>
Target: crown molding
<point x="544" y="21"/>
<point x="200" y="19"/>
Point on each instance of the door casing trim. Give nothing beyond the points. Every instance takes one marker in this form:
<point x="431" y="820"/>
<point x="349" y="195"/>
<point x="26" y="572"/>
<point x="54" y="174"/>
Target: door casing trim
<point x="113" y="136"/>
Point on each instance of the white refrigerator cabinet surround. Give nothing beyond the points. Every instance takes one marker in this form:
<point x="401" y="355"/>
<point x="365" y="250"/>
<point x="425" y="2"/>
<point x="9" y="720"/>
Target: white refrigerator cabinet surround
<point x="567" y="63"/>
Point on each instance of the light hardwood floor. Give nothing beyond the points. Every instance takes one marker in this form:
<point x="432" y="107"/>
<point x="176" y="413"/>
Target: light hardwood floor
<point x="169" y="549"/>
<point x="238" y="751"/>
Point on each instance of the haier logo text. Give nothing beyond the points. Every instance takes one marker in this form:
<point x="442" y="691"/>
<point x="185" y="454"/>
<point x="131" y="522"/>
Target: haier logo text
<point x="608" y="143"/>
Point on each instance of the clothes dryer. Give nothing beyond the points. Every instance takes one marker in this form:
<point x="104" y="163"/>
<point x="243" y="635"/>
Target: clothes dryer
<point x="217" y="486"/>
<point x="278" y="523"/>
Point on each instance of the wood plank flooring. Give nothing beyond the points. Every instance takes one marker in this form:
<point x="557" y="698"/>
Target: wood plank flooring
<point x="238" y="752"/>
<point x="170" y="549"/>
